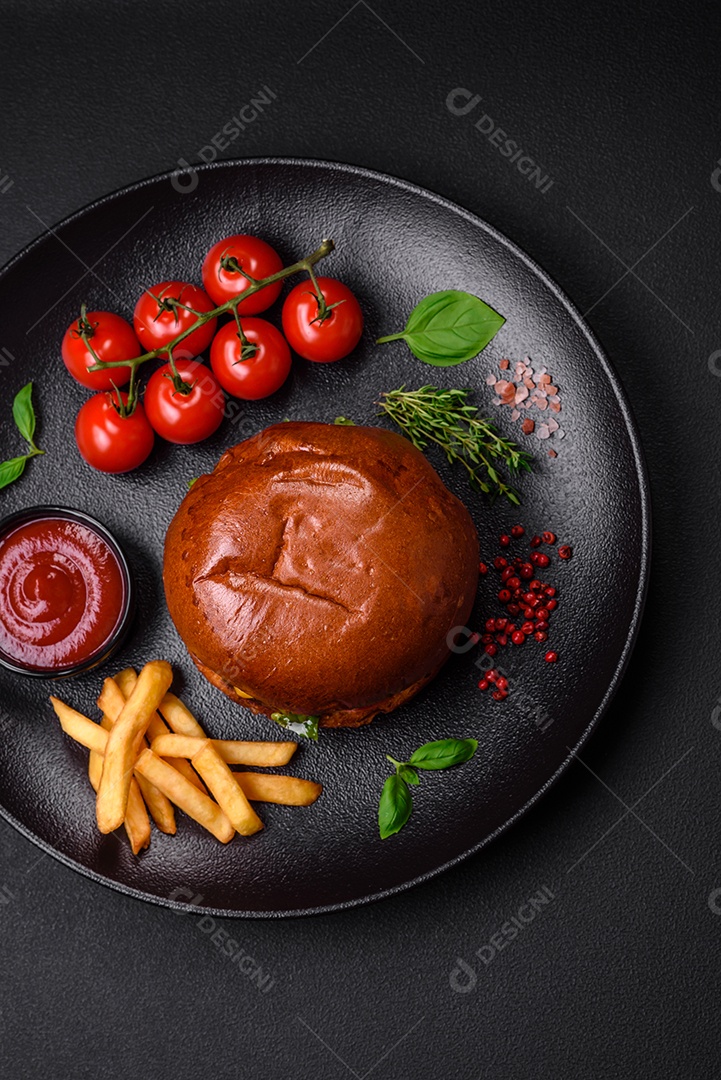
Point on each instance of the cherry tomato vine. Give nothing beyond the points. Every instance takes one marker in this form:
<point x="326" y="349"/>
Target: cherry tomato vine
<point x="126" y="404"/>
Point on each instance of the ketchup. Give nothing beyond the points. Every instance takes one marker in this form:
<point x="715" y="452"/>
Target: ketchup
<point x="62" y="594"/>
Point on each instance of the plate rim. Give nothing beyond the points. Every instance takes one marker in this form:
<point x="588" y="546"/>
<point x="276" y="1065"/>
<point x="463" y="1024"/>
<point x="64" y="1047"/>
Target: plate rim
<point x="645" y="552"/>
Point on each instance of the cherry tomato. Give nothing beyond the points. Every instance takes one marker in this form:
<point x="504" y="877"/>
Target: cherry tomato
<point x="184" y="417"/>
<point x="111" y="338"/>
<point x="157" y="319"/>
<point x="322" y="339"/>
<point x="108" y="441"/>
<point x="262" y="373"/>
<point x="249" y="253"/>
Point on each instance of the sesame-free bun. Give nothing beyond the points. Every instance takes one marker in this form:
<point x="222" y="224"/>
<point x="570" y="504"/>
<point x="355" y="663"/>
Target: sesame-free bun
<point x="319" y="569"/>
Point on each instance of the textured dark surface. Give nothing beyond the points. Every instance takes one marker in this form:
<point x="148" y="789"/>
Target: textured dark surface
<point x="332" y="854"/>
<point x="617" y="975"/>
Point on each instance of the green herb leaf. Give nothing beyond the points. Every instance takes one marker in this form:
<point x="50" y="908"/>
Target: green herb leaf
<point x="443" y="753"/>
<point x="394" y="807"/>
<point x="409" y="775"/>
<point x="449" y="327"/>
<point x="298" y="723"/>
<point x="193" y="480"/>
<point x="344" y="421"/>
<point x="24" y="414"/>
<point x="11" y="470"/>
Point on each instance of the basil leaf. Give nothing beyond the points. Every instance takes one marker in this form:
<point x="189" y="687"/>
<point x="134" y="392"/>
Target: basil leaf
<point x="344" y="421"/>
<point x="193" y="480"/>
<point x="24" y="414"/>
<point x="409" y="775"/>
<point x="11" y="470"/>
<point x="449" y="327"/>
<point x="298" y="723"/>
<point x="394" y="807"/>
<point x="443" y="754"/>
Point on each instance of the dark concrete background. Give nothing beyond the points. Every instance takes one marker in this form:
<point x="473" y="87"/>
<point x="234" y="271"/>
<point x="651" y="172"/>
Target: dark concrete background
<point x="617" y="976"/>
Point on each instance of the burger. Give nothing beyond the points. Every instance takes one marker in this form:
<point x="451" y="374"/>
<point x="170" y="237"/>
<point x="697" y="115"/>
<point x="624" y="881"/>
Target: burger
<point x="319" y="570"/>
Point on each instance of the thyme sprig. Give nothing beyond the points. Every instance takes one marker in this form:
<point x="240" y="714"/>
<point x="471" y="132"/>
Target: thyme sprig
<point x="448" y="419"/>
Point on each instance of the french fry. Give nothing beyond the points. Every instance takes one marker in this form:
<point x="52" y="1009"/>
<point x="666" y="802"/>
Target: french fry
<point x="111" y="701"/>
<point x="180" y="718"/>
<point x="233" y="751"/>
<point x="179" y="790"/>
<point x="95" y="768"/>
<point x="211" y="767"/>
<point x="159" y="806"/>
<point x="224" y="786"/>
<point x="80" y="728"/>
<point x="185" y="795"/>
<point x="285" y="790"/>
<point x="161" y="782"/>
<point x="137" y="822"/>
<point x="124" y="743"/>
<point x="126" y="681"/>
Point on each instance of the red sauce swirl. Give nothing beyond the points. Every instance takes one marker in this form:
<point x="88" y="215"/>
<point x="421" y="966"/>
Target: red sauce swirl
<point x="62" y="594"/>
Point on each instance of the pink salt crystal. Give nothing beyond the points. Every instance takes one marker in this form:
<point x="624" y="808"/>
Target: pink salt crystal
<point x="555" y="406"/>
<point x="552" y="453"/>
<point x="529" y="384"/>
<point x="552" y="425"/>
<point x="541" y="404"/>
<point x="504" y="365"/>
<point x="527" y="426"/>
<point x="496" y="401"/>
<point x="560" y="434"/>
<point x="552" y="391"/>
<point x="491" y="380"/>
<point x="514" y="415"/>
<point x="521" y="394"/>
<point x="542" y="431"/>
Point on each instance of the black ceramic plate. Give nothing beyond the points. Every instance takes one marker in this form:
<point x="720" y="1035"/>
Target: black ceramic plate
<point x="395" y="243"/>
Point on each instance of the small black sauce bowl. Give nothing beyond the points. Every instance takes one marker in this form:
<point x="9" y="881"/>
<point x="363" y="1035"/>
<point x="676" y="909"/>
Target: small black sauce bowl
<point x="38" y="513"/>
